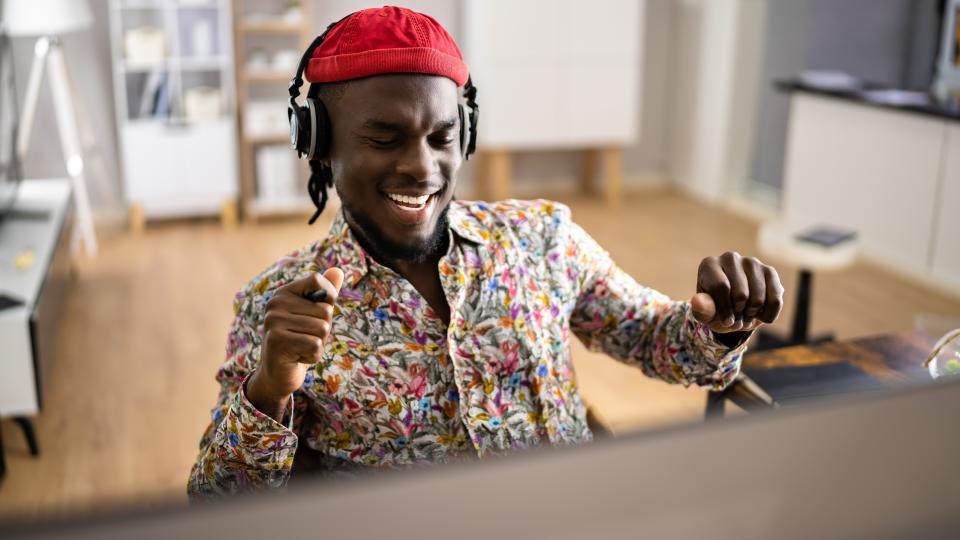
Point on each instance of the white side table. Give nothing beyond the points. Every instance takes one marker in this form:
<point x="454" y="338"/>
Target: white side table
<point x="778" y="240"/>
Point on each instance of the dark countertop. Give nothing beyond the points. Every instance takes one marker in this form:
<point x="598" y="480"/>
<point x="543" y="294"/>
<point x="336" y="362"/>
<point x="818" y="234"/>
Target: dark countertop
<point x="869" y="95"/>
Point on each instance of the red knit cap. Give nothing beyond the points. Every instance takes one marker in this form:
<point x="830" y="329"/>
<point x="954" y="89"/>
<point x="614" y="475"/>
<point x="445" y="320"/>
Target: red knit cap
<point x="386" y="40"/>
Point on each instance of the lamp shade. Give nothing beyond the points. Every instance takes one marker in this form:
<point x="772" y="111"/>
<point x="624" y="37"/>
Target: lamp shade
<point x="45" y="17"/>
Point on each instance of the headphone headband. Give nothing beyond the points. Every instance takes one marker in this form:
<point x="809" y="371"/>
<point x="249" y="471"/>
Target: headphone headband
<point x="297" y="81"/>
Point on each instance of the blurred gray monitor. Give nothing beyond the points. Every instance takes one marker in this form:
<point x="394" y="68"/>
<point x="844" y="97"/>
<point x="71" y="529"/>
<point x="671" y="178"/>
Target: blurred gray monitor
<point x="878" y="467"/>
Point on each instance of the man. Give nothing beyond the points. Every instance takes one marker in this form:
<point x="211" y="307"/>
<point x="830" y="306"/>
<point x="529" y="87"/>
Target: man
<point x="442" y="328"/>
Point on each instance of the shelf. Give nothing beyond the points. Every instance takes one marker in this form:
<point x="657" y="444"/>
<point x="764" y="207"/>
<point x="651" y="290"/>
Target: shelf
<point x="203" y="63"/>
<point x="300" y="205"/>
<point x="270" y="138"/>
<point x="125" y="67"/>
<point x="139" y="4"/>
<point x="267" y="76"/>
<point x="271" y="27"/>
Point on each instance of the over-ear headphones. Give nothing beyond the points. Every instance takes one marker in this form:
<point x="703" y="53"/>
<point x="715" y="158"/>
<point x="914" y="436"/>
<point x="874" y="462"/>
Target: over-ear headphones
<point x="310" y="124"/>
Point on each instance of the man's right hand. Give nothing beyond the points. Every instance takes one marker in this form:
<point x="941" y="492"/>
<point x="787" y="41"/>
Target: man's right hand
<point x="294" y="333"/>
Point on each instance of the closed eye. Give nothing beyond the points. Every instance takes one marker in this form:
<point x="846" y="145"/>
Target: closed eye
<point x="380" y="142"/>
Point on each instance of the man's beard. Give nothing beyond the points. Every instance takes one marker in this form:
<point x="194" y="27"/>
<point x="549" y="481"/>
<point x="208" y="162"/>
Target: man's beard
<point x="384" y="250"/>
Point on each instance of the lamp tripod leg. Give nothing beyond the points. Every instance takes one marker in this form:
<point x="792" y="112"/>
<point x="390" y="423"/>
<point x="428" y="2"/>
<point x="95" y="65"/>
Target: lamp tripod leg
<point x="70" y="144"/>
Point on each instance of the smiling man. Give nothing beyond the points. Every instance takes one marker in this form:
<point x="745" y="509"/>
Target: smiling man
<point x="425" y="329"/>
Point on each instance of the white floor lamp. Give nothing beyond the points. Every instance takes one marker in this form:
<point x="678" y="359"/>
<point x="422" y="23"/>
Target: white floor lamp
<point x="47" y="20"/>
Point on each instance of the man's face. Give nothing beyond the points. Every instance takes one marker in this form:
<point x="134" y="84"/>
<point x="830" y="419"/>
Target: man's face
<point x="395" y="155"/>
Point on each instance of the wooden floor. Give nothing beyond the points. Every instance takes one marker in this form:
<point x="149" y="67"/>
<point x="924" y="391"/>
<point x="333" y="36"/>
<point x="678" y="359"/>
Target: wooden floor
<point x="146" y="324"/>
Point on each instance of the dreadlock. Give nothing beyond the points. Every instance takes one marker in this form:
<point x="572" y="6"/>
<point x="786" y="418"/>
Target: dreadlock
<point x="321" y="175"/>
<point x="321" y="178"/>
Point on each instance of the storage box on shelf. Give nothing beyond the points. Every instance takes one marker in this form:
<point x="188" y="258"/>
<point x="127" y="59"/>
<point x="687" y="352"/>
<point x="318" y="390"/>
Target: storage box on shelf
<point x="174" y="93"/>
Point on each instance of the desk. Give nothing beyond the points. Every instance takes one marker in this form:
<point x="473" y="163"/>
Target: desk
<point x="34" y="275"/>
<point x="887" y="359"/>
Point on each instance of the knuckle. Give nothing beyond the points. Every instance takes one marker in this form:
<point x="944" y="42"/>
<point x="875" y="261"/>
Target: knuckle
<point x="332" y="294"/>
<point x="324" y="328"/>
<point x="314" y="346"/>
<point x="739" y="297"/>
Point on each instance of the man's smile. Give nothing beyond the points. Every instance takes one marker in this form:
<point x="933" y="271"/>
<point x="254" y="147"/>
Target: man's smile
<point x="412" y="208"/>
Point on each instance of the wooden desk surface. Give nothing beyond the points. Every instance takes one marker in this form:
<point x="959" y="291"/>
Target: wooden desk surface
<point x="891" y="358"/>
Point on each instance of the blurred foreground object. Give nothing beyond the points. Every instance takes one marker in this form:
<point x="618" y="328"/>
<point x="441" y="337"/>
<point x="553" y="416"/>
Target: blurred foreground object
<point x="875" y="468"/>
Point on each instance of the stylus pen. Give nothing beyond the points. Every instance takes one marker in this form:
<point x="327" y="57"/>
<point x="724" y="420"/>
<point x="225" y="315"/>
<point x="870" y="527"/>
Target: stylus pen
<point x="317" y="296"/>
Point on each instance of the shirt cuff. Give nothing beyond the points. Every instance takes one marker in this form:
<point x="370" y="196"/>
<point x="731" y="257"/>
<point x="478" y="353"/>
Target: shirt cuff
<point x="256" y="439"/>
<point x="721" y="364"/>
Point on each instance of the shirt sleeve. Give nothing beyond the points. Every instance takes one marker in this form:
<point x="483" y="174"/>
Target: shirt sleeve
<point x="242" y="449"/>
<point x="614" y="314"/>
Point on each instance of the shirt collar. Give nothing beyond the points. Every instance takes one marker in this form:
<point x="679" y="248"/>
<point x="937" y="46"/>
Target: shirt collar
<point x="466" y="225"/>
<point x="343" y="251"/>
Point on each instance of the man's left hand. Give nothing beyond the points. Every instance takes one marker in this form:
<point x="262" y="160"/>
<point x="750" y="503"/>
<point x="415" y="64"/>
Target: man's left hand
<point x="736" y="293"/>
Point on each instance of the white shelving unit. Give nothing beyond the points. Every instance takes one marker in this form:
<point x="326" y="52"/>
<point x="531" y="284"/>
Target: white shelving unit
<point x="273" y="182"/>
<point x="178" y="160"/>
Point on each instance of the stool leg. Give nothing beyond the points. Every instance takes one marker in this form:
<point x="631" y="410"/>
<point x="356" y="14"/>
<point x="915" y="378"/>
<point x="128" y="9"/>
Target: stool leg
<point x="715" y="401"/>
<point x="3" y="461"/>
<point x="801" y="317"/>
<point x="28" y="433"/>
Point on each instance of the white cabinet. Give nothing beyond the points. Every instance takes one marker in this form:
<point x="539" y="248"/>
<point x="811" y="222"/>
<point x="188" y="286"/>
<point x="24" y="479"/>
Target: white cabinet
<point x="893" y="176"/>
<point x="945" y="263"/>
<point x="175" y="102"/>
<point x="559" y="74"/>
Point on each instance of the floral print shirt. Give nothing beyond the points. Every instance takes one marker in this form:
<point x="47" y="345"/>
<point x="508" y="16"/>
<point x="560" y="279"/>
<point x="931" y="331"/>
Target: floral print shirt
<point x="397" y="388"/>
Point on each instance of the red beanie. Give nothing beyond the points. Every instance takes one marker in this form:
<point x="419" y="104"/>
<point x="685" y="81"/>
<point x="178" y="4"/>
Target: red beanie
<point x="386" y="40"/>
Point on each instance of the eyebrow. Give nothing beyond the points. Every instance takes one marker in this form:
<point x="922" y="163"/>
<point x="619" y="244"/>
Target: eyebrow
<point x="381" y="125"/>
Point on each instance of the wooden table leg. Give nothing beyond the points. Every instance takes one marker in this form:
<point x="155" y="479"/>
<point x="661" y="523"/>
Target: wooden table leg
<point x="3" y="461"/>
<point x="137" y="219"/>
<point x="493" y="182"/>
<point x="612" y="175"/>
<point x="228" y="214"/>
<point x="588" y="172"/>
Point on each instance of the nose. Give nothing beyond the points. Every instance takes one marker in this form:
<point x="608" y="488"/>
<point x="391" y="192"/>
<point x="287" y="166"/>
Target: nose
<point x="418" y="161"/>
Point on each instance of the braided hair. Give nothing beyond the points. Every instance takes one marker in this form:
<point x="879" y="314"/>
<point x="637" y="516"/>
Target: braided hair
<point x="321" y="175"/>
<point x="321" y="178"/>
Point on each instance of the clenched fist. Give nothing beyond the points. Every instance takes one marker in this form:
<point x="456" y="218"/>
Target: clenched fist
<point x="295" y="330"/>
<point x="736" y="293"/>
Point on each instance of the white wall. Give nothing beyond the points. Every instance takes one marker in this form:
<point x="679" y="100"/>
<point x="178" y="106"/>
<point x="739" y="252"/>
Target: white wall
<point x="717" y="48"/>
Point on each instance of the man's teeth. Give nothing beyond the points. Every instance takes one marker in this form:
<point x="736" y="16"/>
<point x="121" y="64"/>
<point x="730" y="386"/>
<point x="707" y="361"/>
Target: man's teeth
<point x="406" y="199"/>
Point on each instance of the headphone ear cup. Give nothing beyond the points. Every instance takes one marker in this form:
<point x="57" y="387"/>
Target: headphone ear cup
<point x="464" y="129"/>
<point x="299" y="118"/>
<point x="322" y="136"/>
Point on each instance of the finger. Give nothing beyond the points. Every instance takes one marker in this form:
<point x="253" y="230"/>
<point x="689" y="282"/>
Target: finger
<point x="335" y="277"/>
<point x="298" y="305"/>
<point x="302" y="348"/>
<point x="301" y="324"/>
<point x="713" y="280"/>
<point x="773" y="303"/>
<point x="316" y="282"/>
<point x="732" y="265"/>
<point x="703" y="308"/>
<point x="757" y="289"/>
